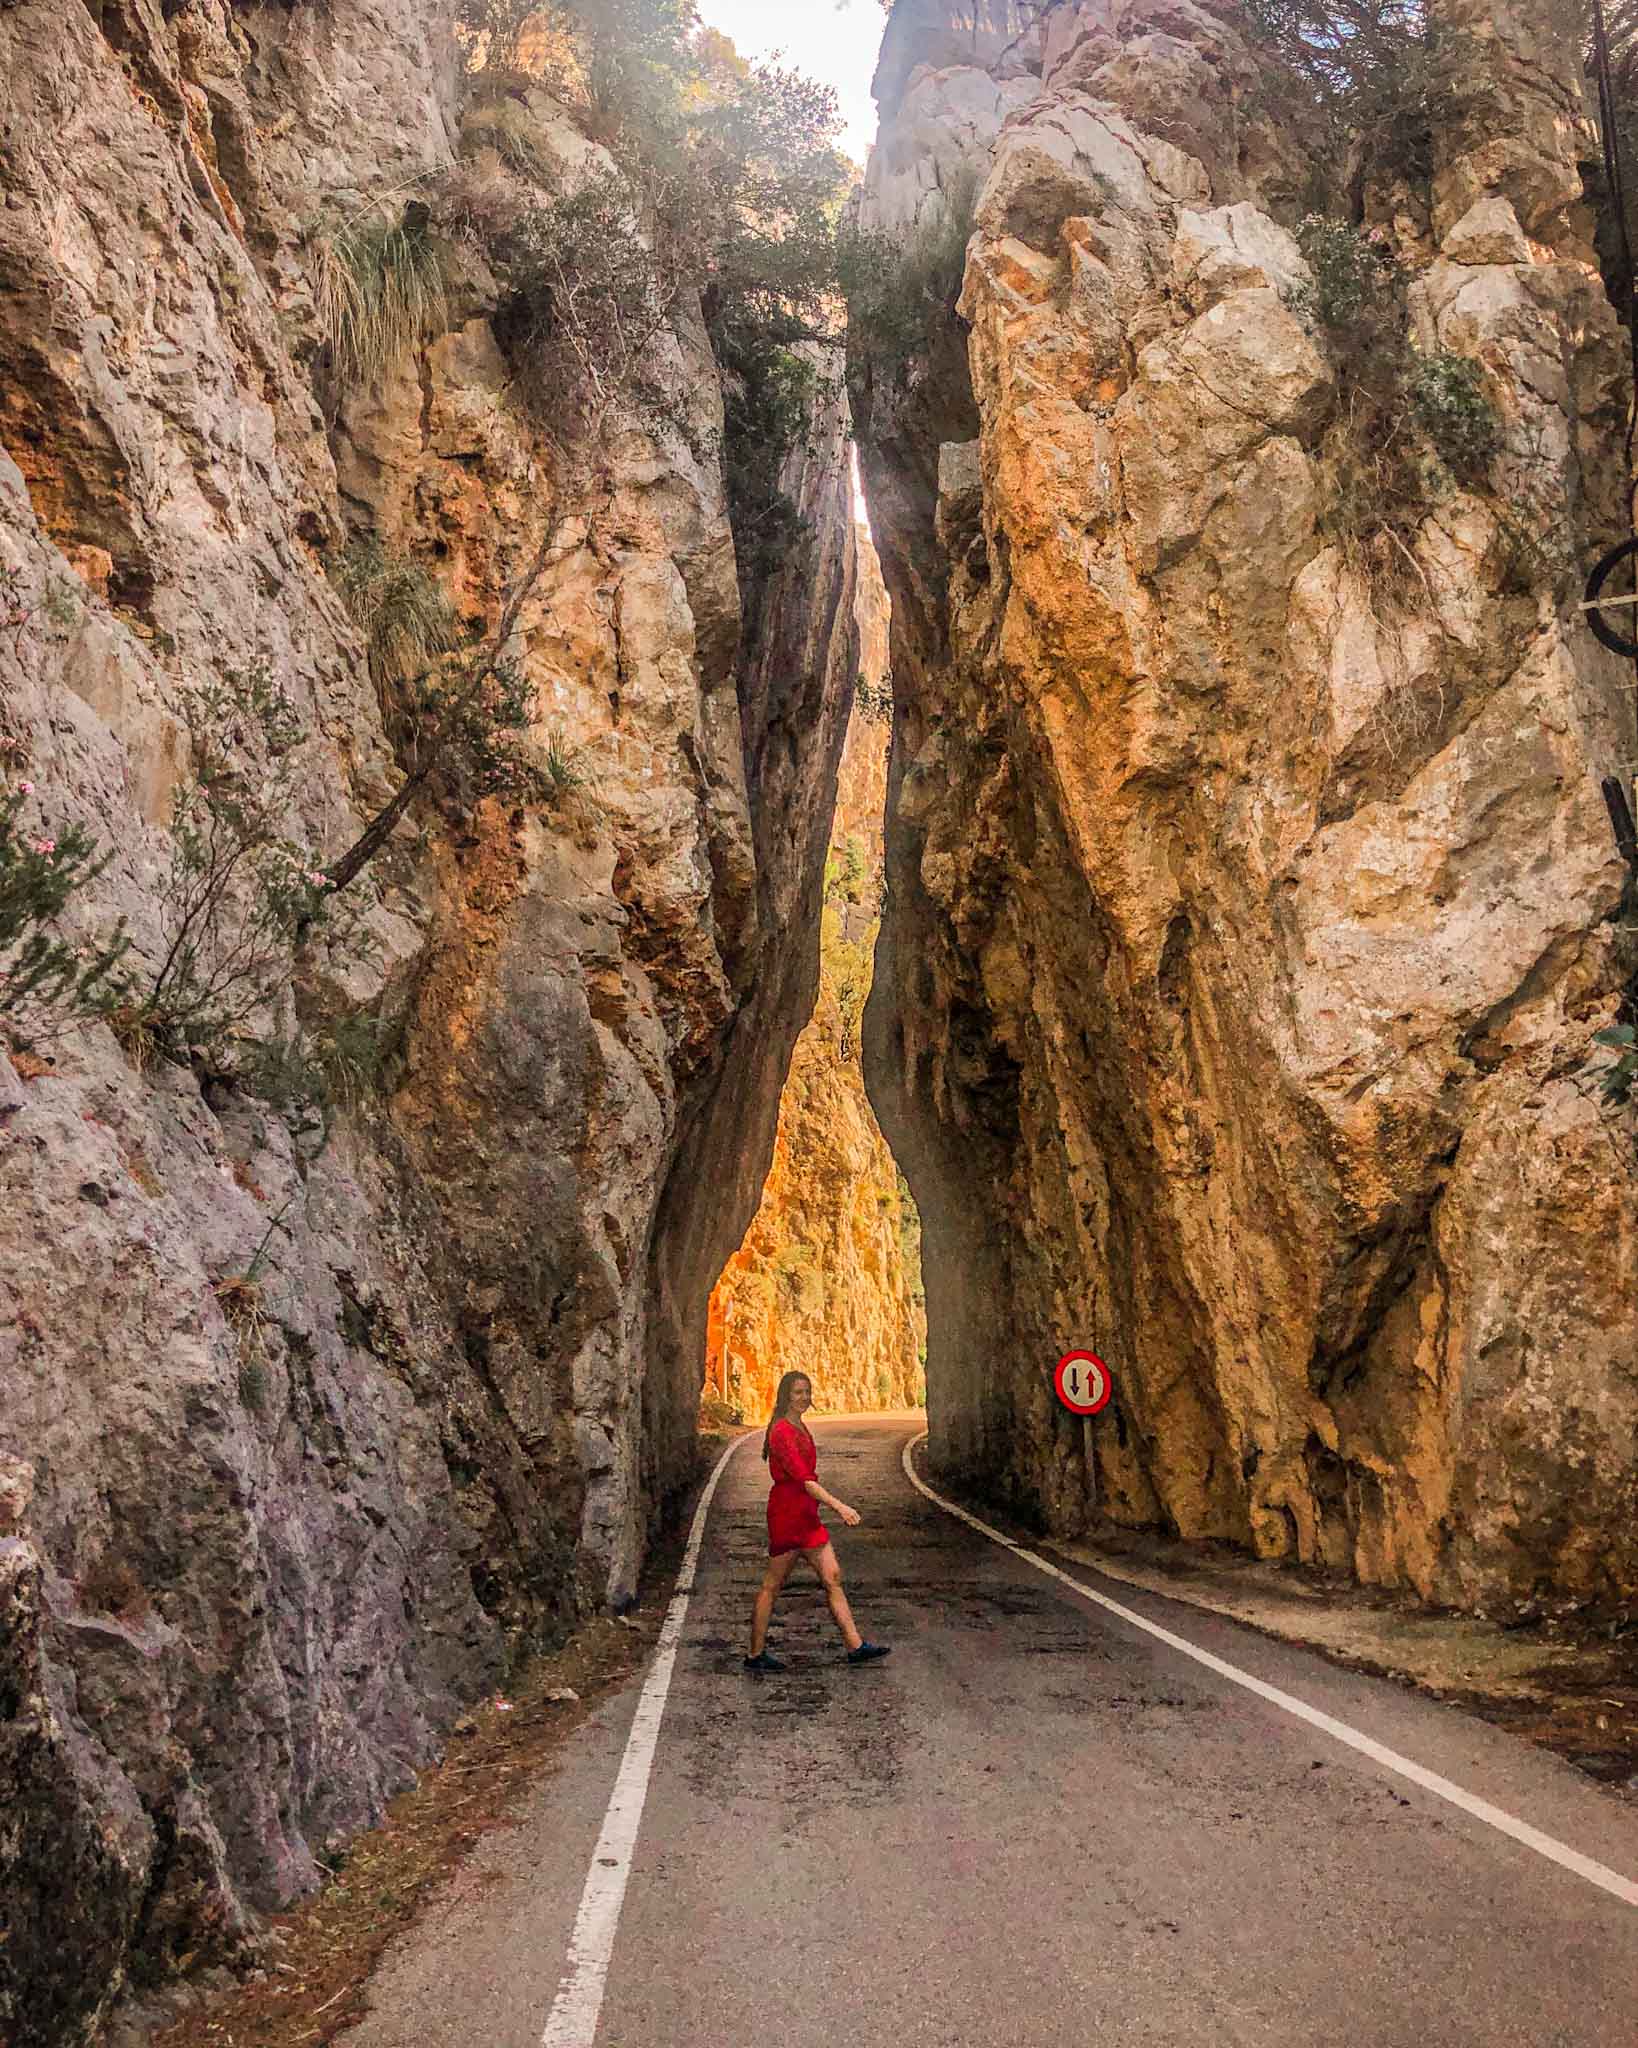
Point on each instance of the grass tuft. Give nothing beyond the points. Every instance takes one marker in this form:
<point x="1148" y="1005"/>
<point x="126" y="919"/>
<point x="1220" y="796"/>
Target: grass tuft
<point x="506" y="126"/>
<point x="405" y="618"/>
<point x="563" y="778"/>
<point x="382" y="290"/>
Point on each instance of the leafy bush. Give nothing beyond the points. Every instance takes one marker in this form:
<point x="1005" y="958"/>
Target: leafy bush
<point x="874" y="701"/>
<point x="626" y="62"/>
<point x="1619" y="1079"/>
<point x="1353" y="277"/>
<point x="771" y="390"/>
<point x="900" y="293"/>
<point x="240" y="894"/>
<point x="1408" y="426"/>
<point x="846" y="967"/>
<point x="39" y="971"/>
<point x="1454" y="411"/>
<point x="463" y="726"/>
<point x="847" y="872"/>
<point x="312" y="1073"/>
<point x="1382" y="79"/>
<point x="728" y="184"/>
<point x="587" y="299"/>
<point x="381" y="290"/>
<point x="794" y="1270"/>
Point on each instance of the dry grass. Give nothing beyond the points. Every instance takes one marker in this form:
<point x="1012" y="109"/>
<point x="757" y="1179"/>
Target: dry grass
<point x="240" y="1300"/>
<point x="381" y="291"/>
<point x="506" y="126"/>
<point x="137" y="1036"/>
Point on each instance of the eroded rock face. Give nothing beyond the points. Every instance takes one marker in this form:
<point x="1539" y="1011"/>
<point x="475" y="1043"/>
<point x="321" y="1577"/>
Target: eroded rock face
<point x="1250" y="918"/>
<point x="267" y="1557"/>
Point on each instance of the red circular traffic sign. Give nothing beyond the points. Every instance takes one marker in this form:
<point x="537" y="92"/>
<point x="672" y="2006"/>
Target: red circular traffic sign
<point x="1084" y="1383"/>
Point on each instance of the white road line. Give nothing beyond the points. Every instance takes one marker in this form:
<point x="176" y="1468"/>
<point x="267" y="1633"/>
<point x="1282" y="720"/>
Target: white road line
<point x="573" y="2019"/>
<point x="1599" y="1874"/>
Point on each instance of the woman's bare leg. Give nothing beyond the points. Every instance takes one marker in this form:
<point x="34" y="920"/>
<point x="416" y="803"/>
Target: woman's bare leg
<point x="830" y="1577"/>
<point x="779" y="1570"/>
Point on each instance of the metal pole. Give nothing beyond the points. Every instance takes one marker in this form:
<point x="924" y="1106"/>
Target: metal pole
<point x="1091" y="1469"/>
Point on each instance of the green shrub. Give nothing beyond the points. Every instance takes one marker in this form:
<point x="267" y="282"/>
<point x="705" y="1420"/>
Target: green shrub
<point x="1453" y="409"/>
<point x="728" y="184"/>
<point x="381" y="290"/>
<point x="40" y="973"/>
<point x="874" y="701"/>
<point x="771" y="391"/>
<point x="846" y="968"/>
<point x="1408" y="427"/>
<point x="847" y="871"/>
<point x="901" y="293"/>
<point x="253" y="1385"/>
<point x="795" y="1271"/>
<point x="587" y="298"/>
<point x="311" y="1073"/>
<point x="1354" y="280"/>
<point x="1619" y="1079"/>
<point x="1381" y="79"/>
<point x="239" y="895"/>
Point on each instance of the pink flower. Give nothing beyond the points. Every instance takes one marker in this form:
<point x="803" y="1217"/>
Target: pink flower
<point x="25" y="789"/>
<point x="319" y="881"/>
<point x="503" y="1706"/>
<point x="45" y="846"/>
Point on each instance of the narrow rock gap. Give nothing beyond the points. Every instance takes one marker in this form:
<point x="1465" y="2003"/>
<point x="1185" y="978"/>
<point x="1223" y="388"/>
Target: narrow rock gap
<point x="828" y="1276"/>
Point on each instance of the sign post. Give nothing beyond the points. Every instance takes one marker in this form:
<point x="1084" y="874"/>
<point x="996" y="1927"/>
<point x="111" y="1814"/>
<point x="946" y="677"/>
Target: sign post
<point x="1083" y="1383"/>
<point x="1085" y="1386"/>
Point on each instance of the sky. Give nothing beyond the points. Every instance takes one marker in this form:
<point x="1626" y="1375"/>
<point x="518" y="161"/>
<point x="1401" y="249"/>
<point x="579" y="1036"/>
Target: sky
<point x="835" y="41"/>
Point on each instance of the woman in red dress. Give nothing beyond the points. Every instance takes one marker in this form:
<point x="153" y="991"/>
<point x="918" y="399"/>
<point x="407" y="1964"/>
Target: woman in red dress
<point x="794" y="1528"/>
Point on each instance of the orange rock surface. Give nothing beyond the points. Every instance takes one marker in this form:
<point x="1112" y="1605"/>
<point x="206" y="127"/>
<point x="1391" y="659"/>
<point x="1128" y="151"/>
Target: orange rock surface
<point x="828" y="1278"/>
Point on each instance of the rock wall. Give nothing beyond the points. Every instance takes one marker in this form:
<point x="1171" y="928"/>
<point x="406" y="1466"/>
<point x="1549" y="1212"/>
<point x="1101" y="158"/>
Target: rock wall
<point x="828" y="1277"/>
<point x="1251" y="913"/>
<point x="253" y="1561"/>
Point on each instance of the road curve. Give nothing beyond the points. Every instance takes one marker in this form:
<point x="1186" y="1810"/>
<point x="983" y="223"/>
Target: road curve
<point x="1032" y="1824"/>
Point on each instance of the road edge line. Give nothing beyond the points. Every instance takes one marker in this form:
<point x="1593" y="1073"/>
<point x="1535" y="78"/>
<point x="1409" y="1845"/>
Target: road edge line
<point x="1520" y="1831"/>
<point x="572" y="2021"/>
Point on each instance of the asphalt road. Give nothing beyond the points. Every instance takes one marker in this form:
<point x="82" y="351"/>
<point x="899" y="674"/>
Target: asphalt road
<point x="1031" y="1825"/>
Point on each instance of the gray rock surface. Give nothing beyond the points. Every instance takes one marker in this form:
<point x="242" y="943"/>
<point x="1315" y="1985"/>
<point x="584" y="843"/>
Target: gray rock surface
<point x="268" y="1558"/>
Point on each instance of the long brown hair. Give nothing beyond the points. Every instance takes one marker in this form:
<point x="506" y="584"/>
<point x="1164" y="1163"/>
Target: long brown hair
<point x="781" y="1401"/>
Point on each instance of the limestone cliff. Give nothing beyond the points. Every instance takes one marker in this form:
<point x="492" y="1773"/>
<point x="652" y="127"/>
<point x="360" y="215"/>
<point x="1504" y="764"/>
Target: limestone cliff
<point x="828" y="1278"/>
<point x="300" y="1443"/>
<point x="1251" y="901"/>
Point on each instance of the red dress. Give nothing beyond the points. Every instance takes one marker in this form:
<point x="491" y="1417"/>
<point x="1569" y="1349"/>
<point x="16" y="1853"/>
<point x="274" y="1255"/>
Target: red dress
<point x="793" y="1513"/>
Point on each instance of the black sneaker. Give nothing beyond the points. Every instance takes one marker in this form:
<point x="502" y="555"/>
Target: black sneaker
<point x="867" y="1653"/>
<point x="764" y="1663"/>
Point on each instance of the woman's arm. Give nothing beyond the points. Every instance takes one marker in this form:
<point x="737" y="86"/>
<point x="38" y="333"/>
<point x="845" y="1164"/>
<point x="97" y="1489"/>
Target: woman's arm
<point x="828" y="1500"/>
